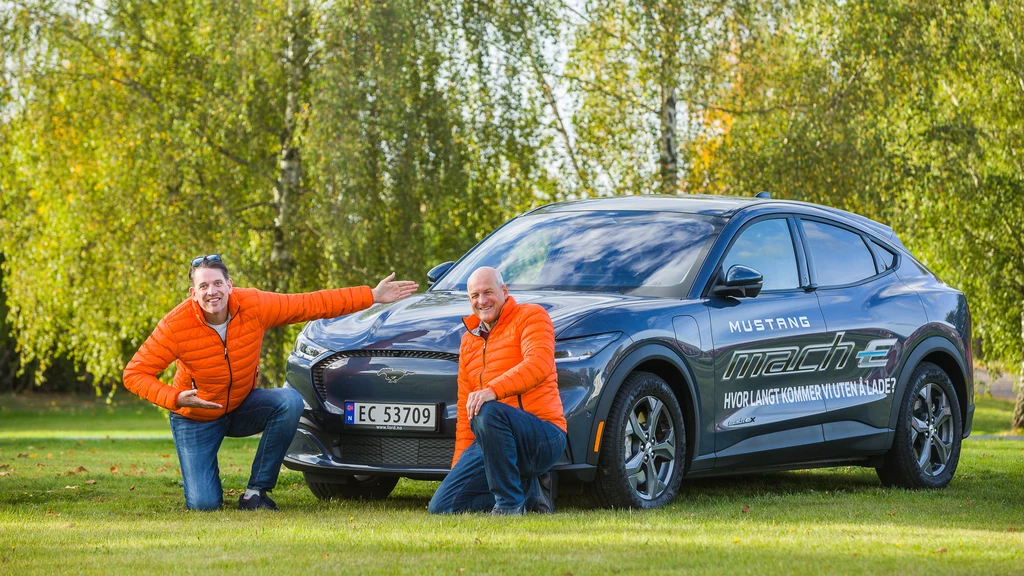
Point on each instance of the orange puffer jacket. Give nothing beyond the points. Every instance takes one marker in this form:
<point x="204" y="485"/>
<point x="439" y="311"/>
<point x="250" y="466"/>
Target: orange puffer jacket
<point x="517" y="362"/>
<point x="225" y="372"/>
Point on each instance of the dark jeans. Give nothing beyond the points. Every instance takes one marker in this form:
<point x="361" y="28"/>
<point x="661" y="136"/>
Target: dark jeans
<point x="499" y="469"/>
<point x="274" y="412"/>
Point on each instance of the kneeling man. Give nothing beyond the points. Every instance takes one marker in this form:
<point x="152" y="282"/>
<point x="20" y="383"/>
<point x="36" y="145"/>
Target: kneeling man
<point x="215" y="337"/>
<point x="511" y="428"/>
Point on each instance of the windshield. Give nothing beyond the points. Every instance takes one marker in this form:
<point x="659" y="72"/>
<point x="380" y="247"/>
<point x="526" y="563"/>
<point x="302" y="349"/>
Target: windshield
<point x="642" y="253"/>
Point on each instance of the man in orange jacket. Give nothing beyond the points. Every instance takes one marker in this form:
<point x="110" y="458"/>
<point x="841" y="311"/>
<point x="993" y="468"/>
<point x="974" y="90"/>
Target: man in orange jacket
<point x="511" y="427"/>
<point x="215" y="336"/>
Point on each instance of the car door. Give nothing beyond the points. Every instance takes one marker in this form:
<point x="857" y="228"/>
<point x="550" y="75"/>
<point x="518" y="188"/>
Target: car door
<point x="766" y="409"/>
<point x="865" y="304"/>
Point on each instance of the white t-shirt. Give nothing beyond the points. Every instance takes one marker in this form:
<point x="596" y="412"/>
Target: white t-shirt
<point x="221" y="329"/>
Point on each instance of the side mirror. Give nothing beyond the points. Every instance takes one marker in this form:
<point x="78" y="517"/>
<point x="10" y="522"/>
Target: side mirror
<point x="739" y="282"/>
<point x="437" y="271"/>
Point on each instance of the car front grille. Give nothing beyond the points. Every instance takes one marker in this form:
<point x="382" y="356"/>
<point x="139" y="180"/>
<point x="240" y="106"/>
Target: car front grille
<point x="319" y="367"/>
<point x="419" y="452"/>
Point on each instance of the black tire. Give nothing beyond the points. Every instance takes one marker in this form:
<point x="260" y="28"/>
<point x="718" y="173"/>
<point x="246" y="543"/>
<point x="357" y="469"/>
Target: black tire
<point x="620" y="486"/>
<point x="926" y="448"/>
<point x="351" y="487"/>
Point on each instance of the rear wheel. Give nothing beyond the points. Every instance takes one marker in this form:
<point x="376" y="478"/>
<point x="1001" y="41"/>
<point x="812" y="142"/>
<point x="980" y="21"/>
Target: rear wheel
<point x="359" y="487"/>
<point x="926" y="448"/>
<point x="643" y="450"/>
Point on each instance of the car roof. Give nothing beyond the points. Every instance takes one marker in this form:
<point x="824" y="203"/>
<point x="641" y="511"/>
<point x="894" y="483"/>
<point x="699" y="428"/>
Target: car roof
<point x="709" y="205"/>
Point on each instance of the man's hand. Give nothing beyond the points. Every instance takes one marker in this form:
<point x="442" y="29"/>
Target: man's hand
<point x="476" y="399"/>
<point x="188" y="399"/>
<point x="388" y="291"/>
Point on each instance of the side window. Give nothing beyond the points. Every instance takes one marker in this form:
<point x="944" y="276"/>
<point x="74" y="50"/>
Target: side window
<point x="767" y="247"/>
<point x="887" y="256"/>
<point x="840" y="256"/>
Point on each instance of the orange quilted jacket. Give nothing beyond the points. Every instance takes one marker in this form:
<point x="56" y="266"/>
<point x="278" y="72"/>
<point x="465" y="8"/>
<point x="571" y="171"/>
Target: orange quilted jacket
<point x="517" y="362"/>
<point x="225" y="372"/>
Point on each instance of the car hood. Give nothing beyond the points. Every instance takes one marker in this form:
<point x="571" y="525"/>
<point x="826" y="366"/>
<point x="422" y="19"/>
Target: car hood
<point x="433" y="321"/>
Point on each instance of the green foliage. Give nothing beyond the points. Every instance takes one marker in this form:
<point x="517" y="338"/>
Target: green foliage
<point x="908" y="112"/>
<point x="312" y="146"/>
<point x="327" y="144"/>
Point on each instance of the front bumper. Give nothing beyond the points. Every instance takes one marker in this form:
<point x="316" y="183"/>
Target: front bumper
<point x="313" y="450"/>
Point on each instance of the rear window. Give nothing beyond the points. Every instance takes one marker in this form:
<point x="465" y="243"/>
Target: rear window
<point x="840" y="256"/>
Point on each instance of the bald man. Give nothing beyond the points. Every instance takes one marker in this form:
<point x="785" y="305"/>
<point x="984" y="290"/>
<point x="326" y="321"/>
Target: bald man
<point x="511" y="427"/>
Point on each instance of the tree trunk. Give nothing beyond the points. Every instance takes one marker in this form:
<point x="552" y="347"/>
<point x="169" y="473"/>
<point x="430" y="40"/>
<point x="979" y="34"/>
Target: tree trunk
<point x="668" y="145"/>
<point x="670" y="22"/>
<point x="1018" y="410"/>
<point x="289" y="183"/>
<point x="289" y="159"/>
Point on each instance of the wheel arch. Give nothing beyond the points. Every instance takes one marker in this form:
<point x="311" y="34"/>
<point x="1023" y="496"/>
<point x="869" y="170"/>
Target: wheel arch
<point x="942" y="353"/>
<point x="665" y="363"/>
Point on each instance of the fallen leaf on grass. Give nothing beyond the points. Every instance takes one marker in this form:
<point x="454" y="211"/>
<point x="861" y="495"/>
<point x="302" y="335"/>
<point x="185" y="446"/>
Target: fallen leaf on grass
<point x="90" y="482"/>
<point x="22" y="455"/>
<point x="893" y="513"/>
<point x="81" y="469"/>
<point x="478" y="541"/>
<point x="6" y="473"/>
<point x="50" y="512"/>
<point x="940" y="551"/>
<point x="68" y="525"/>
<point x="132" y="488"/>
<point x="71" y="487"/>
<point x="114" y="469"/>
<point x="165" y="455"/>
<point x="1011" y="529"/>
<point x="40" y="465"/>
<point x="326" y="555"/>
<point x="5" y="466"/>
<point x="745" y="509"/>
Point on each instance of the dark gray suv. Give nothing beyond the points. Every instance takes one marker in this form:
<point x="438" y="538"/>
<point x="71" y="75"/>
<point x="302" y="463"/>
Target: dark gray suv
<point x="696" y="336"/>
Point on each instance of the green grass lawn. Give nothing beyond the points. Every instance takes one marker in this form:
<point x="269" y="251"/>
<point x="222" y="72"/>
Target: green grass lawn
<point x="73" y="500"/>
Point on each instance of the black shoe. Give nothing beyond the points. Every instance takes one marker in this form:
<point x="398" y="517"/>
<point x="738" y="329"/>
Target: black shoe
<point x="259" y="501"/>
<point x="548" y="491"/>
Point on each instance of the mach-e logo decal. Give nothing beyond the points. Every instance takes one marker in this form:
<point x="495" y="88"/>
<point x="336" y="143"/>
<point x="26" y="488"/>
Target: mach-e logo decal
<point x="812" y="358"/>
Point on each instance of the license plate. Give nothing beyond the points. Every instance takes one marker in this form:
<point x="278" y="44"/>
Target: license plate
<point x="387" y="416"/>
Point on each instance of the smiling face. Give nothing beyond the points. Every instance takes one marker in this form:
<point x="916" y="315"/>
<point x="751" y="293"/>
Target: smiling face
<point x="487" y="295"/>
<point x="210" y="289"/>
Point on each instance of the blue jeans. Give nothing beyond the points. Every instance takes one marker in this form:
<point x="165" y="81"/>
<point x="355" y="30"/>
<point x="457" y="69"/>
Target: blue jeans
<point x="274" y="412"/>
<point x="499" y="469"/>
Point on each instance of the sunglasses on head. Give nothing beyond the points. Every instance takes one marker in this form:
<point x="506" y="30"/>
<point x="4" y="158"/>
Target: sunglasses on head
<point x="198" y="260"/>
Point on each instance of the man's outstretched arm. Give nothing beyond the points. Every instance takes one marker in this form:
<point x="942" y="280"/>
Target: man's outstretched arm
<point x="283" y="309"/>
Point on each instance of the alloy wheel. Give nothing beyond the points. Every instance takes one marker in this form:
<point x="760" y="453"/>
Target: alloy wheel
<point x="650" y="447"/>
<point x="931" y="423"/>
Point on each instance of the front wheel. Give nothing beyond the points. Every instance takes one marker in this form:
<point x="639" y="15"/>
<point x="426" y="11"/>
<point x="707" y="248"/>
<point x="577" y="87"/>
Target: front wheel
<point x="643" y="450"/>
<point x="351" y="487"/>
<point x="926" y="448"/>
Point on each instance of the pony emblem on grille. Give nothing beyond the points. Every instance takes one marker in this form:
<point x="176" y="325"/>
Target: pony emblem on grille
<point x="392" y="375"/>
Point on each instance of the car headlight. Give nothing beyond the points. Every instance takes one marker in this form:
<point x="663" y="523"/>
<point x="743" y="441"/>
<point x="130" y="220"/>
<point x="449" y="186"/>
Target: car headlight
<point x="307" y="349"/>
<point x="585" y="347"/>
